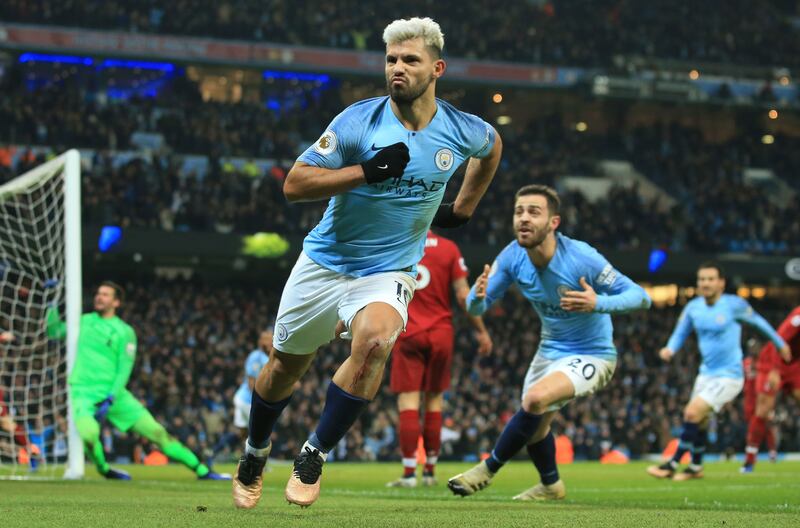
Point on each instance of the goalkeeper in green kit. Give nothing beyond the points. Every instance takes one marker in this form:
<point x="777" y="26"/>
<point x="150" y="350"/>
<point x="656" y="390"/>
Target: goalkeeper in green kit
<point x="103" y="365"/>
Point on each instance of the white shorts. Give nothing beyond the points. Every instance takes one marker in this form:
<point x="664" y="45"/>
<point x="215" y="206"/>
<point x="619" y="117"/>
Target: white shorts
<point x="716" y="391"/>
<point x="241" y="413"/>
<point x="587" y="374"/>
<point x="316" y="298"/>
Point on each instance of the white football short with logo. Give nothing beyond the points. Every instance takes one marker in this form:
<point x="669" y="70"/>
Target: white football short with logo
<point x="241" y="413"/>
<point x="716" y="391"/>
<point x="315" y="299"/>
<point x="587" y="374"/>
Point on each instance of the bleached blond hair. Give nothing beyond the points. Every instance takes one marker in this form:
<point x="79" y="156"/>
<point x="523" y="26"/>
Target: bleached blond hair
<point x="425" y="28"/>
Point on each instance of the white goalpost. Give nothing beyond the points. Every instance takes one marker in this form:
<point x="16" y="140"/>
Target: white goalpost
<point x="40" y="268"/>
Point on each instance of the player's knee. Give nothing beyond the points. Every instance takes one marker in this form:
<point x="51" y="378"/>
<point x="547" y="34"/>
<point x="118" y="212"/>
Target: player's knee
<point x="536" y="401"/>
<point x="287" y="368"/>
<point x="88" y="429"/>
<point x="374" y="350"/>
<point x="692" y="415"/>
<point x="160" y="436"/>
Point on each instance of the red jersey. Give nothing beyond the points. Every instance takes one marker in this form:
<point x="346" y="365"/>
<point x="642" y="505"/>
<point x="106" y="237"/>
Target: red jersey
<point x="789" y="330"/>
<point x="441" y="265"/>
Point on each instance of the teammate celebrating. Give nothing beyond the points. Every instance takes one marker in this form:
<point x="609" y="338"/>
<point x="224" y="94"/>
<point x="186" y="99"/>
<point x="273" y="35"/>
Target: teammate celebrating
<point x="103" y="365"/>
<point x="777" y="371"/>
<point x="384" y="163"/>
<point x="573" y="289"/>
<point x="422" y="356"/>
<point x="717" y="319"/>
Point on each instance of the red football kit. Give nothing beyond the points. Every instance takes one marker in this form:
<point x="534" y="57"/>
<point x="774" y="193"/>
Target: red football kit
<point x="769" y="359"/>
<point x="422" y="356"/>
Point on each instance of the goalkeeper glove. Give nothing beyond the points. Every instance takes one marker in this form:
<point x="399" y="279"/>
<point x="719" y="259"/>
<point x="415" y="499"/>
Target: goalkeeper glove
<point x="389" y="162"/>
<point x="102" y="409"/>
<point x="447" y="218"/>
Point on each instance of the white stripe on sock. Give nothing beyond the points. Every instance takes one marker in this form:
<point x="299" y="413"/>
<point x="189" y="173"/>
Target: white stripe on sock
<point x="431" y="460"/>
<point x="250" y="450"/>
<point x="324" y="456"/>
<point x="409" y="462"/>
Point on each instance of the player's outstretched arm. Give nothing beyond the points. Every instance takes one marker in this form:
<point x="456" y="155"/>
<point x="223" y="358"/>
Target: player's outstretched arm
<point x="490" y="286"/>
<point x="307" y="183"/>
<point x="679" y="335"/>
<point x="479" y="174"/>
<point x="746" y="315"/>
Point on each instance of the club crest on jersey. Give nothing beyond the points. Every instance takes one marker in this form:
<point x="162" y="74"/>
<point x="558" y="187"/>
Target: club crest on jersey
<point x="444" y="159"/>
<point x="326" y="144"/>
<point x="721" y="319"/>
<point x="562" y="290"/>
<point x="281" y="333"/>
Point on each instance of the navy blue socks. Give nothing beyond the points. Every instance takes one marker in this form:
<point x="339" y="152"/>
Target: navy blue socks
<point x="516" y="435"/>
<point x="340" y="413"/>
<point x="543" y="456"/>
<point x="686" y="444"/>
<point x="263" y="417"/>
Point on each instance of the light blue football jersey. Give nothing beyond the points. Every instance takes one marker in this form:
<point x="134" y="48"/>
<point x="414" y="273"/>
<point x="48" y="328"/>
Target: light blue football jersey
<point x="719" y="333"/>
<point x="382" y="227"/>
<point x="565" y="333"/>
<point x="252" y="366"/>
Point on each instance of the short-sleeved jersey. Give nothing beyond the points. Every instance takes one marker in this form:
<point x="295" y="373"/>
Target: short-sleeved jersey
<point x="566" y="333"/>
<point x="719" y="333"/>
<point x="106" y="354"/>
<point x="252" y="366"/>
<point x="789" y="330"/>
<point x="441" y="265"/>
<point x="381" y="227"/>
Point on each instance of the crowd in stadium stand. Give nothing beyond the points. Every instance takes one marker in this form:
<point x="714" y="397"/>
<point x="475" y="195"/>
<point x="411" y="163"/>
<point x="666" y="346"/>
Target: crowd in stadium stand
<point x="194" y="337"/>
<point x="717" y="208"/>
<point x="569" y="32"/>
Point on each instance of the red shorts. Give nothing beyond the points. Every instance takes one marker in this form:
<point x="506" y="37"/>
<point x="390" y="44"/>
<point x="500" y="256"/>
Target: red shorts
<point x="421" y="362"/>
<point x="789" y="373"/>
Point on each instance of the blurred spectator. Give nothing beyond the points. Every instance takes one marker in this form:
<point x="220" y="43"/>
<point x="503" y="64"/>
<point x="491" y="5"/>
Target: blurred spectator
<point x="567" y="32"/>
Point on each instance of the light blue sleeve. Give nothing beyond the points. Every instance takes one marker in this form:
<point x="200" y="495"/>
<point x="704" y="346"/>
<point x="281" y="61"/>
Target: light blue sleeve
<point x="744" y="313"/>
<point x="500" y="278"/>
<point x="616" y="292"/>
<point x="482" y="137"/>
<point x="681" y="332"/>
<point x="340" y="142"/>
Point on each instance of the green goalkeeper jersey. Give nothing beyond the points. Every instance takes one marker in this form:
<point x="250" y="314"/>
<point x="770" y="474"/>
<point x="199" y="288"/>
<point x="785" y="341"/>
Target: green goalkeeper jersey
<point x="106" y="353"/>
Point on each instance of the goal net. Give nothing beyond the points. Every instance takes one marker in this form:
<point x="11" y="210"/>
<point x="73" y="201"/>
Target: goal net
<point x="40" y="268"/>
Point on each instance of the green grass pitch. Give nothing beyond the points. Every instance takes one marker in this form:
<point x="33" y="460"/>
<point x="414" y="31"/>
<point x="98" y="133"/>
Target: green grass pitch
<point x="354" y="495"/>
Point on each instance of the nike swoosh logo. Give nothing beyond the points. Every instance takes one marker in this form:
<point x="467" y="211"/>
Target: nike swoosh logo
<point x="384" y="167"/>
<point x="378" y="148"/>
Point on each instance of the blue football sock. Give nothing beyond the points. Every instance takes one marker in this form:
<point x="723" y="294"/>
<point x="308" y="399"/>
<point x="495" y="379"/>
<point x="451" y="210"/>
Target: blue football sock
<point x="543" y="456"/>
<point x="340" y="413"/>
<point x="518" y="431"/>
<point x="687" y="441"/>
<point x="263" y="417"/>
<point x="699" y="447"/>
